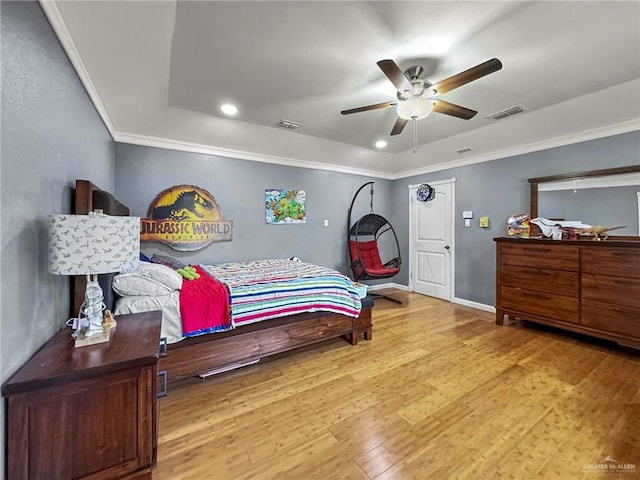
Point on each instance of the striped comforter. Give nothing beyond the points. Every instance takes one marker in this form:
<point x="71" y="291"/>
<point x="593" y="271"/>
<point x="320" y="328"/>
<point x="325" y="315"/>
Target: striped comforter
<point x="264" y="289"/>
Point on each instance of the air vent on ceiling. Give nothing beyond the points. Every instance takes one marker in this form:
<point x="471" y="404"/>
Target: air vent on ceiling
<point x="288" y="124"/>
<point x="462" y="151"/>
<point x="507" y="112"/>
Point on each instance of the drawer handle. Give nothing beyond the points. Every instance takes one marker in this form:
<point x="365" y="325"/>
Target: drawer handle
<point x="625" y="309"/>
<point x="162" y="381"/>
<point x="163" y="347"/>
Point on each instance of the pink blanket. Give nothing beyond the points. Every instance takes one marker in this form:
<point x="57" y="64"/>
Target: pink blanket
<point x="204" y="305"/>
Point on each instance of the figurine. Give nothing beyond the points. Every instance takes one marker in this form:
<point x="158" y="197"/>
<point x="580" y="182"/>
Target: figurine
<point x="598" y="232"/>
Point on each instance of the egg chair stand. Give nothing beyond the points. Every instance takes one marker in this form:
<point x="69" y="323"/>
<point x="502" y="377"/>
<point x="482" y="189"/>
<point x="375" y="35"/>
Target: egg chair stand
<point x="363" y="244"/>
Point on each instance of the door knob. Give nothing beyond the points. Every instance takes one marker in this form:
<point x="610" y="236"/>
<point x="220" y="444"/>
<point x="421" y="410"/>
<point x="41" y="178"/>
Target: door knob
<point x="447" y="247"/>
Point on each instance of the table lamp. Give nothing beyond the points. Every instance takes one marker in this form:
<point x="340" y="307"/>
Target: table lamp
<point x="90" y="245"/>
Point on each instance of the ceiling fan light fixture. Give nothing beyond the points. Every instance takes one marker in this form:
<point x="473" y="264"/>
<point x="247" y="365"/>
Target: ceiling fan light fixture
<point x="381" y="144"/>
<point x="415" y="108"/>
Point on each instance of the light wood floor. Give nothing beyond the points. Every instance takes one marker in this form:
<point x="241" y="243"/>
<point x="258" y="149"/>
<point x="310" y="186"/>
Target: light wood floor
<point x="441" y="392"/>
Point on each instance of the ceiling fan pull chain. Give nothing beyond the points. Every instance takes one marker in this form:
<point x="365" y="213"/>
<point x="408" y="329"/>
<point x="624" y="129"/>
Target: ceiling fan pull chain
<point x="415" y="135"/>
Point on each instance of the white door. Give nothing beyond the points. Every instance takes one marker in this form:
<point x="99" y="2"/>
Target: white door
<point x="431" y="231"/>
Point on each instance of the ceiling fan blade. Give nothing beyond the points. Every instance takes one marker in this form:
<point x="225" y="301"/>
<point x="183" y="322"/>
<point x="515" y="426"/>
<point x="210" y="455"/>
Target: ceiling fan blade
<point x="399" y="126"/>
<point x="452" y="109"/>
<point x="376" y="106"/>
<point x="393" y="73"/>
<point x="467" y="76"/>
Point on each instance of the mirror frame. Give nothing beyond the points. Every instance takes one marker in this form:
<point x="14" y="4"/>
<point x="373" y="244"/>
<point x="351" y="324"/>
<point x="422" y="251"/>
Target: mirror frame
<point x="534" y="182"/>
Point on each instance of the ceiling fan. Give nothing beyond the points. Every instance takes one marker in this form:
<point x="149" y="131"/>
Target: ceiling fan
<point x="417" y="96"/>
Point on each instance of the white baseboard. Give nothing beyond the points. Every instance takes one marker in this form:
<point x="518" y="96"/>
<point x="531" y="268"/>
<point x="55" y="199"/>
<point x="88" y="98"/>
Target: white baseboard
<point x="456" y="300"/>
<point x="476" y="305"/>
<point x="381" y="286"/>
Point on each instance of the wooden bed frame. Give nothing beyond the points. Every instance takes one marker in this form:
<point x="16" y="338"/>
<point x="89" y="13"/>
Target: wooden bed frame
<point x="242" y="345"/>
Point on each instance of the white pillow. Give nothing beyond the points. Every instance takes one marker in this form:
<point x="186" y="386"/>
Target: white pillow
<point x="151" y="279"/>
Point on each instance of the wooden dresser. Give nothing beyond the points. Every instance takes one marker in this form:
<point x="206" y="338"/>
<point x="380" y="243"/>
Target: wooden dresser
<point x="87" y="412"/>
<point x="591" y="287"/>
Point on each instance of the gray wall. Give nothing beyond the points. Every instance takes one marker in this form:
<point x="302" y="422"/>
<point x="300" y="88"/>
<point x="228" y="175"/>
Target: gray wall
<point x="238" y="186"/>
<point x="498" y="189"/>
<point x="51" y="135"/>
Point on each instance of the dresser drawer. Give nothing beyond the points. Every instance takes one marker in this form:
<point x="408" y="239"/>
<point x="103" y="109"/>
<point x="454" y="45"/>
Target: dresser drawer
<point x="556" y="257"/>
<point x="614" y="290"/>
<point x="618" y="319"/>
<point x="621" y="262"/>
<point x="540" y="280"/>
<point x="543" y="304"/>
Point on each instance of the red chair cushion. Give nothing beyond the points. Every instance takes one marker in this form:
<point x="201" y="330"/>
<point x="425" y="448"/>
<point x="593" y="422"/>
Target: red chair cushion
<point x="367" y="253"/>
<point x="376" y="272"/>
<point x="370" y="258"/>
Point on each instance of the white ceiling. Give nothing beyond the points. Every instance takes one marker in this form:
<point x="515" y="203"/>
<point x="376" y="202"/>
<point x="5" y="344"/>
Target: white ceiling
<point x="158" y="72"/>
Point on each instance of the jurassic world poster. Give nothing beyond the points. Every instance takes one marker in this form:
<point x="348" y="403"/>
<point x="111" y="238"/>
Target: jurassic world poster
<point x="185" y="218"/>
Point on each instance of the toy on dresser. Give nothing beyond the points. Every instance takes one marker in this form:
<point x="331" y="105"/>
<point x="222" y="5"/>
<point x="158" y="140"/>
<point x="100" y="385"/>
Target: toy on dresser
<point x="598" y="232"/>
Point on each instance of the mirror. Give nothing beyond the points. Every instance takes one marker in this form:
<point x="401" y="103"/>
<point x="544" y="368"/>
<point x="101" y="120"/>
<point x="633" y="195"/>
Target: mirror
<point x="600" y="197"/>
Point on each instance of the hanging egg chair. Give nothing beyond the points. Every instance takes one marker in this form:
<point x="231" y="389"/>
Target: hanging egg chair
<point x="374" y="251"/>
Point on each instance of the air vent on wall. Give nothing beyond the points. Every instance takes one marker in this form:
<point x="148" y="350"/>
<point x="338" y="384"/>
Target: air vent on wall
<point x="462" y="151"/>
<point x="507" y="112"/>
<point x="288" y="124"/>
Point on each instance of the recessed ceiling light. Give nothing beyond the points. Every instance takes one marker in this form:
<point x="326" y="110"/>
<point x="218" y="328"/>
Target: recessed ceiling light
<point x="229" y="109"/>
<point x="381" y="144"/>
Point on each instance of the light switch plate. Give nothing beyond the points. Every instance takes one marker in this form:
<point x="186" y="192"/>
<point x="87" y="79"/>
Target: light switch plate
<point x="467" y="222"/>
<point x="484" y="222"/>
<point x="467" y="214"/>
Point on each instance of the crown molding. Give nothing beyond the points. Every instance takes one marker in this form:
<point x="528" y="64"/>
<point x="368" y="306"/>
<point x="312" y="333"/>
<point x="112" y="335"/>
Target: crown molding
<point x="54" y="16"/>
<point x="62" y="32"/>
<point x="607" y="131"/>
<point x="600" y="132"/>
<point x="60" y="28"/>
<point x="150" y="141"/>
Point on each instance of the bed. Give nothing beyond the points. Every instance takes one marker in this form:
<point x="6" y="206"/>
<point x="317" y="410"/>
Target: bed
<point x="249" y="340"/>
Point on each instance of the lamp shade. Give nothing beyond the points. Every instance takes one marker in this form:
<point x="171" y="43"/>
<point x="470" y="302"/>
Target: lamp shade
<point x="93" y="244"/>
<point x="415" y="108"/>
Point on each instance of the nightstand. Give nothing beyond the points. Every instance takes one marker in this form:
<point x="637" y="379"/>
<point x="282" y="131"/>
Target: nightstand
<point x="87" y="412"/>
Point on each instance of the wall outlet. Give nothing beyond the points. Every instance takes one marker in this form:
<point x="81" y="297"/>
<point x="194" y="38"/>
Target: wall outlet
<point x="326" y="222"/>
